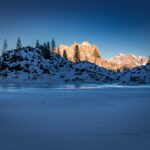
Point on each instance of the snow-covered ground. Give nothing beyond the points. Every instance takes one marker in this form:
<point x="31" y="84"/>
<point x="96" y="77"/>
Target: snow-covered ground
<point x="29" y="65"/>
<point x="74" y="117"/>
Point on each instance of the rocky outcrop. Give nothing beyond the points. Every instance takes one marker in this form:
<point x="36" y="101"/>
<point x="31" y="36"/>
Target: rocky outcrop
<point x="127" y="61"/>
<point x="91" y="53"/>
<point x="87" y="51"/>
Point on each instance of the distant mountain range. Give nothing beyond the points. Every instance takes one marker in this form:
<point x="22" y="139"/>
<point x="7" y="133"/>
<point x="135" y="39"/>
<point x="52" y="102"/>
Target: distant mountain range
<point x="128" y="61"/>
<point x="91" y="54"/>
<point x="30" y="64"/>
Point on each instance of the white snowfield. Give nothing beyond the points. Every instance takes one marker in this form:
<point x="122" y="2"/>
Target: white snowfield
<point x="87" y="117"/>
<point x="28" y="65"/>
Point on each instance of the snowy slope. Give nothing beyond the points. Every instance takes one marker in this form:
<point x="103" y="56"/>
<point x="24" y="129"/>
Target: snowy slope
<point x="39" y="118"/>
<point x="28" y="64"/>
<point x="137" y="75"/>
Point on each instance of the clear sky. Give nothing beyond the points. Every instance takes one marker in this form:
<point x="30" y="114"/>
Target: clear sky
<point x="115" y="26"/>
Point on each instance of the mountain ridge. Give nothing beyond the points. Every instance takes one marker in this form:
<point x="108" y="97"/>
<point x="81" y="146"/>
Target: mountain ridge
<point x="92" y="54"/>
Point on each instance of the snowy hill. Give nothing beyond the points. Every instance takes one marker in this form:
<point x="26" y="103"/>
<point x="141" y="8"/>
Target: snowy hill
<point x="137" y="75"/>
<point x="29" y="64"/>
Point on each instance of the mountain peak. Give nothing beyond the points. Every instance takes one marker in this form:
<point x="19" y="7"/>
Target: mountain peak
<point x="87" y="51"/>
<point x="86" y="43"/>
<point x="121" y="54"/>
<point x="128" y="60"/>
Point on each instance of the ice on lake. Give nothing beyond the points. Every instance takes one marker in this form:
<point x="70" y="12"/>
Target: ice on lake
<point x="74" y="117"/>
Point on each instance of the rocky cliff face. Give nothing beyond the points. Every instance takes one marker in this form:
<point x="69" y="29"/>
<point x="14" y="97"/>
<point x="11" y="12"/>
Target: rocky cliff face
<point x="91" y="53"/>
<point x="87" y="52"/>
<point x="128" y="61"/>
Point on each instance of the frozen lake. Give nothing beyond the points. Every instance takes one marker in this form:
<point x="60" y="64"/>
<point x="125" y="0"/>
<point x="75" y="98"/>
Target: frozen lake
<point x="74" y="117"/>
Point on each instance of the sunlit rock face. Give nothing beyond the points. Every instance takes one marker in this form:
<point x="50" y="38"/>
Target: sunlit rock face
<point x="128" y="61"/>
<point x="91" y="53"/>
<point x="86" y="51"/>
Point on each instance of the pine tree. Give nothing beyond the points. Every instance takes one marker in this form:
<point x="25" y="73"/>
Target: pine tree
<point x="76" y="54"/>
<point x="148" y="62"/>
<point x="45" y="51"/>
<point x="45" y="46"/>
<point x="53" y="45"/>
<point x="5" y="46"/>
<point x="48" y="45"/>
<point x="58" y="50"/>
<point x="18" y="44"/>
<point x="37" y="44"/>
<point x="65" y="54"/>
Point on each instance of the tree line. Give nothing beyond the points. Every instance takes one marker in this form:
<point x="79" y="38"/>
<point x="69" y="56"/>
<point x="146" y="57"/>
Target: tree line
<point x="50" y="45"/>
<point x="46" y="49"/>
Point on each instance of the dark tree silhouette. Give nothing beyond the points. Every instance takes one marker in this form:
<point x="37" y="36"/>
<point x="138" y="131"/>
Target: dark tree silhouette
<point x="45" y="46"/>
<point x="148" y="62"/>
<point x="65" y="54"/>
<point x="45" y="51"/>
<point x="77" y="54"/>
<point x="53" y="45"/>
<point x="58" y="50"/>
<point x="18" y="44"/>
<point x="37" y="44"/>
<point x="5" y="46"/>
<point x="48" y="45"/>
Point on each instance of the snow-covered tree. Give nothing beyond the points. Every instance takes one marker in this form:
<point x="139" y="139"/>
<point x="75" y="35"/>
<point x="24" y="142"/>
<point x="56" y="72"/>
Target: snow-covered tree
<point x="18" y="44"/>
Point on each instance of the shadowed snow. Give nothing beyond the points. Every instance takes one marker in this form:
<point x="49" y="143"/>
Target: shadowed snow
<point x="83" y="117"/>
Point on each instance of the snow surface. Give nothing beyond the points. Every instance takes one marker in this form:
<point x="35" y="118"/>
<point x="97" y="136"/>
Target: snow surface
<point x="74" y="117"/>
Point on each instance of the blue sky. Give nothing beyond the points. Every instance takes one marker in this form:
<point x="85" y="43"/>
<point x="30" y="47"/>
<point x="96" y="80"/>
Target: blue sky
<point x="114" y="26"/>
